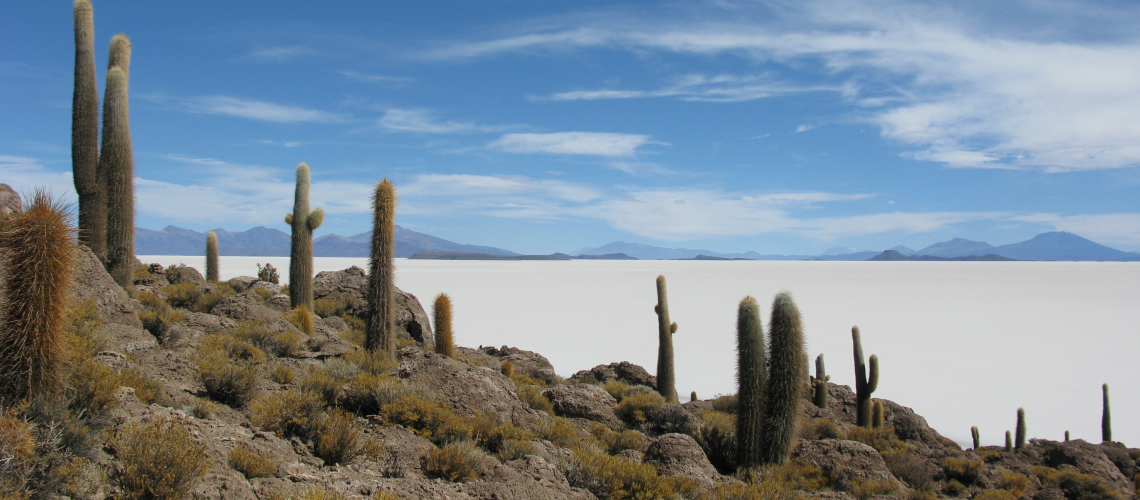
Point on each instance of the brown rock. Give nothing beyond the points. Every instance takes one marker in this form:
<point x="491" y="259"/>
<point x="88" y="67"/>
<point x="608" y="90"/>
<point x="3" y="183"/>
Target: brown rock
<point x="1088" y="459"/>
<point x="184" y="274"/>
<point x="623" y="371"/>
<point x="244" y="306"/>
<point x="680" y="455"/>
<point x="856" y="459"/>
<point x="585" y="401"/>
<point x="528" y="363"/>
<point x="9" y="201"/>
<point x="93" y="283"/>
<point x="351" y="286"/>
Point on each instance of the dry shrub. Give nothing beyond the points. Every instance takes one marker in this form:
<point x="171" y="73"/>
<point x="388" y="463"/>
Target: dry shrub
<point x="322" y="494"/>
<point x="328" y="379"/>
<point x="456" y="462"/>
<point x="533" y="397"/>
<point x="289" y="413"/>
<point x="910" y="468"/>
<point x="84" y="338"/>
<point x="17" y="453"/>
<point x="954" y="488"/>
<point x="317" y="342"/>
<point x="203" y="408"/>
<point x="263" y="294"/>
<point x="617" y="389"/>
<point x="367" y="392"/>
<point x="507" y="369"/>
<point x="182" y="295"/>
<point x="996" y="495"/>
<point x="229" y="368"/>
<point x="282" y="344"/>
<point x="301" y="318"/>
<point x="384" y="495"/>
<point x="614" y="442"/>
<point x="1017" y="484"/>
<point x="559" y="431"/>
<point x="635" y="407"/>
<point x="962" y="469"/>
<point x="1074" y="484"/>
<point x="336" y="438"/>
<point x="613" y="477"/>
<point x="267" y="273"/>
<point x="491" y="435"/>
<point x="882" y="439"/>
<point x="253" y="463"/>
<point x="717" y="438"/>
<point x="325" y="307"/>
<point x="727" y="404"/>
<point x="281" y="374"/>
<point x="989" y="456"/>
<point x="866" y="488"/>
<point x="820" y="428"/>
<point x="514" y="449"/>
<point x="424" y="417"/>
<point x="92" y="388"/>
<point x="159" y="459"/>
<point x="157" y="316"/>
<point x="146" y="390"/>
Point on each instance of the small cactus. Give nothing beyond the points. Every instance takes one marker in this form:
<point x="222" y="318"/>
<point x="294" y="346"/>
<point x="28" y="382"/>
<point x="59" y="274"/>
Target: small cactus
<point x="1008" y="441"/>
<point x="1105" y="418"/>
<point x="301" y="245"/>
<point x="381" y="324"/>
<point x="37" y="259"/>
<point x="977" y="439"/>
<point x="865" y="383"/>
<point x="819" y="383"/>
<point x="85" y="133"/>
<point x="441" y="312"/>
<point x="1020" y="442"/>
<point x="877" y="414"/>
<point x="751" y="379"/>
<point x="1066" y="436"/>
<point x="507" y="369"/>
<point x="666" y="381"/>
<point x="786" y="362"/>
<point x="116" y="176"/>
<point x="212" y="257"/>
<point x="693" y="396"/>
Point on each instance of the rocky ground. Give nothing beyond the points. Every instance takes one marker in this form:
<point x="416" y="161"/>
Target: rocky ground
<point x="514" y="432"/>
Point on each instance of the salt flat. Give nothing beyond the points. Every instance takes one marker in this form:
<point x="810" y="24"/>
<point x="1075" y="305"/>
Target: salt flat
<point x="963" y="343"/>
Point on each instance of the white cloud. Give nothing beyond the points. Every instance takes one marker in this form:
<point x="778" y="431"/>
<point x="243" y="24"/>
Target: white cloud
<point x="421" y="120"/>
<point x="258" y="110"/>
<point x="573" y="143"/>
<point x="695" y="87"/>
<point x="803" y="128"/>
<point x="1121" y="228"/>
<point x="26" y="174"/>
<point x="963" y="91"/>
<point x="381" y="79"/>
<point x="280" y="54"/>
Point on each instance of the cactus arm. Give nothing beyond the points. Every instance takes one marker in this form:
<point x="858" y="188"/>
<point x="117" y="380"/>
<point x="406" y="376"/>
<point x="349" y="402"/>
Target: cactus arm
<point x="873" y="379"/>
<point x="315" y="219"/>
<point x="673" y="328"/>
<point x="289" y="219"/>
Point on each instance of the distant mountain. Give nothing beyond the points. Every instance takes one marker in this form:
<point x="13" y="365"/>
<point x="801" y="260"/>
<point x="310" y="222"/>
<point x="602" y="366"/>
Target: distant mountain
<point x="481" y="256"/>
<point x="955" y="248"/>
<point x="904" y="250"/>
<point x="266" y="242"/>
<point x="892" y="255"/>
<point x="837" y="251"/>
<point x="1060" y="245"/>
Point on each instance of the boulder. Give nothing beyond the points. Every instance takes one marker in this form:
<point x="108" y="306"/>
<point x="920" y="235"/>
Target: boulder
<point x="855" y="459"/>
<point x="9" y="201"/>
<point x="184" y="274"/>
<point x="624" y="371"/>
<point x="680" y="455"/>
<point x="351" y="286"/>
<point x="125" y="339"/>
<point x="91" y="282"/>
<point x="1087" y="458"/>
<point x="530" y="477"/>
<point x="528" y="363"/>
<point x="244" y="306"/>
<point x="465" y="388"/>
<point x="585" y="401"/>
<point x="207" y="323"/>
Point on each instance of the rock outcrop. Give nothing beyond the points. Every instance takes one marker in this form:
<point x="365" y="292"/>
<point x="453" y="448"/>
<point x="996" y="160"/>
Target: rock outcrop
<point x="623" y="371"/>
<point x="351" y="286"/>
<point x="93" y="283"/>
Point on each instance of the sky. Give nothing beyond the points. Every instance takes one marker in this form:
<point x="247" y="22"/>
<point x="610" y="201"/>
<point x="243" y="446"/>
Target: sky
<point x="778" y="127"/>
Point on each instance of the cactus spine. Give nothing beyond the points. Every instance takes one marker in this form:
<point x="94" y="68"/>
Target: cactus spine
<point x="865" y="383"/>
<point x="85" y="132"/>
<point x="37" y="259"/>
<point x="1008" y="441"/>
<point x="786" y="369"/>
<point x="212" y="256"/>
<point x="116" y="175"/>
<point x="752" y="383"/>
<point x="877" y="414"/>
<point x="819" y="383"/>
<point x="1105" y="418"/>
<point x="1020" y="443"/>
<point x="381" y="330"/>
<point x="441" y="310"/>
<point x="301" y="247"/>
<point x="666" y="382"/>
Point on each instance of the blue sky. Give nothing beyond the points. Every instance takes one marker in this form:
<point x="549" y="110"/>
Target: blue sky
<point x="779" y="127"/>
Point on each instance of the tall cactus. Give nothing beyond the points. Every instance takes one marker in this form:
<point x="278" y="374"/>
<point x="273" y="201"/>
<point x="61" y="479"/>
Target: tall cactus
<point x="120" y="54"/>
<point x="865" y="383"/>
<point x="85" y="133"/>
<point x="441" y="312"/>
<point x="301" y="247"/>
<point x="786" y="363"/>
<point x="116" y="175"/>
<point x="37" y="259"/>
<point x="819" y="383"/>
<point x="1105" y="418"/>
<point x="1066" y="436"/>
<point x="666" y="381"/>
<point x="977" y="439"/>
<point x="212" y="256"/>
<point x="381" y="327"/>
<point x="877" y="414"/>
<point x="752" y="384"/>
<point x="1020" y="438"/>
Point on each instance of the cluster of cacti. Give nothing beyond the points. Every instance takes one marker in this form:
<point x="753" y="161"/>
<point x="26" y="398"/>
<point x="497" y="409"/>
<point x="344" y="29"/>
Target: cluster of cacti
<point x="441" y="312"/>
<point x="865" y="383"/>
<point x="37" y="259"/>
<point x="1020" y="443"/>
<point x="212" y="257"/>
<point x="301" y="246"/>
<point x="103" y="173"/>
<point x="770" y="383"/>
<point x="666" y="381"/>
<point x="819" y="383"/>
<point x="381" y="322"/>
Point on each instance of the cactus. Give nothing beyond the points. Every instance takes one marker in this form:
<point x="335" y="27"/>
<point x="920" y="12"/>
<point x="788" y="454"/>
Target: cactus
<point x="507" y="369"/>
<point x="37" y="259"/>
<point x="120" y="54"/>
<point x="877" y="414"/>
<point x="1105" y="418"/>
<point x="1020" y="441"/>
<point x="212" y="257"/>
<point x="976" y="437"/>
<point x="751" y="379"/>
<point x="786" y="363"/>
<point x="1008" y="441"/>
<point x="301" y="247"/>
<point x="819" y="383"/>
<point x="865" y="383"/>
<point x="693" y="396"/>
<point x="381" y="331"/>
<point x="85" y="133"/>
<point x="1066" y="436"/>
<point x="666" y="382"/>
<point x="441" y="312"/>
<point x="116" y="176"/>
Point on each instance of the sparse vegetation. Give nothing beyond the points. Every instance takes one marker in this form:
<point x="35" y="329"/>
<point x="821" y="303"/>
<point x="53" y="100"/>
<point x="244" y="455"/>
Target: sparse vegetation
<point x="229" y="368"/>
<point x="159" y="459"/>
<point x="252" y="463"/>
<point x="288" y="413"/>
<point x="456" y="462"/>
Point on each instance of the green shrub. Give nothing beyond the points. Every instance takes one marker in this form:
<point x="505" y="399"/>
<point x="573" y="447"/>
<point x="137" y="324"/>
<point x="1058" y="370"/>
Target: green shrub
<point x="881" y="438"/>
<point x="182" y="295"/>
<point x="634" y="407"/>
<point x="514" y="449"/>
<point x="613" y="477"/>
<point x="559" y="431"/>
<point x="229" y="368"/>
<point x="207" y="301"/>
<point x="614" y="442"/>
<point x="267" y="273"/>
<point x="909" y="468"/>
<point x="326" y="308"/>
<point x="157" y="316"/>
<point x="203" y="408"/>
<point x="159" y="459"/>
<point x="1074" y="484"/>
<point x="821" y="428"/>
<point x="301" y="318"/>
<point x="328" y="379"/>
<point x="727" y="404"/>
<point x="422" y="416"/>
<point x="866" y="488"/>
<point x="456" y="462"/>
<point x="83" y="337"/>
<point x="1015" y="483"/>
<point x="285" y="343"/>
<point x="717" y="438"/>
<point x="289" y="413"/>
<point x="617" y="389"/>
<point x="367" y="392"/>
<point x="252" y="463"/>
<point x="533" y="397"/>
<point x="989" y="456"/>
<point x="370" y="361"/>
<point x="964" y="470"/>
<point x="263" y="294"/>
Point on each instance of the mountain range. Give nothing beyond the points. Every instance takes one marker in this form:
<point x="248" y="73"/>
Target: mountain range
<point x="262" y="241"/>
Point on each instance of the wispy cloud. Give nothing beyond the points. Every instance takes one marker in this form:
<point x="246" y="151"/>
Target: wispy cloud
<point x="961" y="91"/>
<point x="422" y="120"/>
<point x="25" y="174"/>
<point x="380" y="79"/>
<point x="573" y="143"/>
<point x="693" y="87"/>
<point x="246" y="108"/>
<point x="279" y="54"/>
